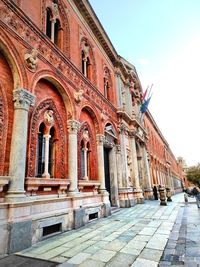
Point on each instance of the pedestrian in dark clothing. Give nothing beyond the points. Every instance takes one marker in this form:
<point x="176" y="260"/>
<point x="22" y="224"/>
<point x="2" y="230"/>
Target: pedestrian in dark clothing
<point x="196" y="193"/>
<point x="155" y="192"/>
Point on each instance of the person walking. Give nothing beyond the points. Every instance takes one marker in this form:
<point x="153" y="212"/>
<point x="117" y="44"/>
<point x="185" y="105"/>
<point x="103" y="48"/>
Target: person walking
<point x="196" y="193"/>
<point x="155" y="192"/>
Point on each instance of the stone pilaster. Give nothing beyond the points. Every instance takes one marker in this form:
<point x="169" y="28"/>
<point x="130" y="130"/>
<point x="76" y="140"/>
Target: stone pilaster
<point x="73" y="126"/>
<point x="100" y="155"/>
<point x="125" y="181"/>
<point x="113" y="178"/>
<point x="137" y="191"/>
<point x="119" y="165"/>
<point x="148" y="186"/>
<point x="22" y="102"/>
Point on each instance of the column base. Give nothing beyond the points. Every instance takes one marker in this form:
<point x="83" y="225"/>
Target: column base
<point x="73" y="192"/>
<point x="46" y="175"/>
<point x="148" y="194"/>
<point x="126" y="197"/>
<point x="15" y="196"/>
<point x="138" y="194"/>
<point x="103" y="191"/>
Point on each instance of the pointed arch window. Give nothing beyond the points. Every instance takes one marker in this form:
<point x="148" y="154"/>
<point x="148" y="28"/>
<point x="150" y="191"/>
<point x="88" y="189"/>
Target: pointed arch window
<point x="107" y="84"/>
<point x="53" y="26"/>
<point x="86" y="65"/>
<point x="46" y="147"/>
<point x="85" y="156"/>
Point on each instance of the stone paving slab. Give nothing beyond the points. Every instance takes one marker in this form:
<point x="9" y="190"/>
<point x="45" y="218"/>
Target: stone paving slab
<point x="19" y="261"/>
<point x="183" y="246"/>
<point x="134" y="236"/>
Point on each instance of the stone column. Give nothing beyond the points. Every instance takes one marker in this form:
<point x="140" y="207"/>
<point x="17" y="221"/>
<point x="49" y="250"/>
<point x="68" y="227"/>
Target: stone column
<point x="22" y="102"/>
<point x="53" y="21"/>
<point x="46" y="157"/>
<point x="100" y="155"/>
<point x="85" y="67"/>
<point x="73" y="126"/>
<point x="85" y="151"/>
<point x="137" y="191"/>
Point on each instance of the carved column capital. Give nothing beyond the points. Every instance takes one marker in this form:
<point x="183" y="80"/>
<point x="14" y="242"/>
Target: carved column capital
<point x="100" y="139"/>
<point x="23" y="99"/>
<point x="118" y="149"/>
<point x="123" y="128"/>
<point x="132" y="134"/>
<point x="73" y="126"/>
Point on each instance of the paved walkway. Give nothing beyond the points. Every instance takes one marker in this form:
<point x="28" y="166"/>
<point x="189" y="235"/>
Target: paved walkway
<point x="147" y="235"/>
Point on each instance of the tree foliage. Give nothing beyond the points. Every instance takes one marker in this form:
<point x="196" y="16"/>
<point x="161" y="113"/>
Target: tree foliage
<point x="193" y="174"/>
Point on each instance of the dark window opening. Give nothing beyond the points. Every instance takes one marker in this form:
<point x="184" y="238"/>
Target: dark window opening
<point x="51" y="152"/>
<point x="82" y="160"/>
<point x="88" y="159"/>
<point x="40" y="151"/>
<point x="93" y="216"/>
<point x="48" y="23"/>
<point x="86" y="66"/>
<point x="52" y="229"/>
<point x="57" y="33"/>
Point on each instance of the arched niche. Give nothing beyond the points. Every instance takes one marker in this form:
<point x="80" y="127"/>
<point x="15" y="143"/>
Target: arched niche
<point x="59" y="86"/>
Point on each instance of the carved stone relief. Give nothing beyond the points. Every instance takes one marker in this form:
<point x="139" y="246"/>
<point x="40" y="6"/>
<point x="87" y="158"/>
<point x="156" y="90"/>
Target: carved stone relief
<point x="3" y="127"/>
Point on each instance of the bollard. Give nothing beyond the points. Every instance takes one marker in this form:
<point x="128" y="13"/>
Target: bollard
<point x="162" y="194"/>
<point x="168" y="194"/>
<point x="186" y="198"/>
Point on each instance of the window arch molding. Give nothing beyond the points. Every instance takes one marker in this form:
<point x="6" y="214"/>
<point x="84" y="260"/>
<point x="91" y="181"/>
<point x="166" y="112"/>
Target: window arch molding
<point x="3" y="126"/>
<point x="36" y="119"/>
<point x="108" y="85"/>
<point x="87" y="53"/>
<point x="62" y="16"/>
<point x="90" y="143"/>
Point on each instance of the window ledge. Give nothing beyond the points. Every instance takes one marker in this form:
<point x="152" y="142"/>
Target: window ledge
<point x="33" y="183"/>
<point x="88" y="186"/>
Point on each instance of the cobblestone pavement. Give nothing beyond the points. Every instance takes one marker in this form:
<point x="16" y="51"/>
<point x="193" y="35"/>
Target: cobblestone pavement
<point x="146" y="235"/>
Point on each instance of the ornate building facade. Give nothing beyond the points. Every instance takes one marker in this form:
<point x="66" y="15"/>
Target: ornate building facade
<point x="72" y="143"/>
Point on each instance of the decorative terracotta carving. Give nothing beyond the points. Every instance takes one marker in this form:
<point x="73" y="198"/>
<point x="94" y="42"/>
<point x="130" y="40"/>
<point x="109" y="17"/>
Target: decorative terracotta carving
<point x="48" y="117"/>
<point x="85" y="133"/>
<point x="31" y="59"/>
<point x="3" y="127"/>
<point x="37" y="118"/>
<point x="78" y="96"/>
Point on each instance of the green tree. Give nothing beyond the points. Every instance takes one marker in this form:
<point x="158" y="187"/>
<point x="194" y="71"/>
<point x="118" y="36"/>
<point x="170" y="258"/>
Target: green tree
<point x="193" y="174"/>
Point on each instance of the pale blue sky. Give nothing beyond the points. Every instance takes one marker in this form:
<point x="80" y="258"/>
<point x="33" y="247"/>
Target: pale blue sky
<point x="162" y="39"/>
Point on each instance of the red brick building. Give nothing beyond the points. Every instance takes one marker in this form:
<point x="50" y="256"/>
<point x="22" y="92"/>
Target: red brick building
<point x="72" y="143"/>
<point x="164" y="168"/>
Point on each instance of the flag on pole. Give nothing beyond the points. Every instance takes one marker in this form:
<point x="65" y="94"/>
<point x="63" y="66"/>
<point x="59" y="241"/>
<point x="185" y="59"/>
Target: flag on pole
<point x="144" y="95"/>
<point x="144" y="105"/>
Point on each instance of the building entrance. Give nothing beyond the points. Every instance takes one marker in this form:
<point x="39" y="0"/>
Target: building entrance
<point x="107" y="170"/>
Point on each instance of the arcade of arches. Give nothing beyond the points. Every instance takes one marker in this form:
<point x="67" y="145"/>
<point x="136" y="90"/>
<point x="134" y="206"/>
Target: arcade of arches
<point x="73" y="143"/>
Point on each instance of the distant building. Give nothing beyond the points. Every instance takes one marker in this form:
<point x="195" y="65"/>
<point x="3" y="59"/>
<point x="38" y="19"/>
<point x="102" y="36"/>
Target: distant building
<point x="72" y="142"/>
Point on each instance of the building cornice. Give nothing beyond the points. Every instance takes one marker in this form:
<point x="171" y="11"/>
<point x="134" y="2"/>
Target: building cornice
<point x="93" y="22"/>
